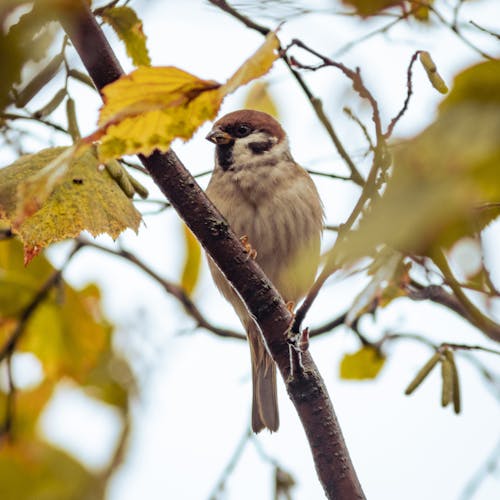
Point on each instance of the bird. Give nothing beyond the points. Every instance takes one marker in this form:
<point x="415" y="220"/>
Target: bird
<point x="272" y="203"/>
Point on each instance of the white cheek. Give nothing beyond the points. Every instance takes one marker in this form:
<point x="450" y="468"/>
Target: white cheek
<point x="241" y="149"/>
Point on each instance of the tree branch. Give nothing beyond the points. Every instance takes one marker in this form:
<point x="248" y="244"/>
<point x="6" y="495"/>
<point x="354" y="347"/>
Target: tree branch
<point x="171" y="288"/>
<point x="306" y="388"/>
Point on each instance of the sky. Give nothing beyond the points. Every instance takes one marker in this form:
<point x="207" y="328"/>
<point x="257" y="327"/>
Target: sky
<point x="194" y="403"/>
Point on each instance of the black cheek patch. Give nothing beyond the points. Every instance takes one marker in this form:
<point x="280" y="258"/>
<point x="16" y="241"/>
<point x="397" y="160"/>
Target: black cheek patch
<point x="225" y="155"/>
<point x="260" y="147"/>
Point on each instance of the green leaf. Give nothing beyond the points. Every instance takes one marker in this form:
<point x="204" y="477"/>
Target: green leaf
<point x="128" y="27"/>
<point x="361" y="365"/>
<point x="74" y="195"/>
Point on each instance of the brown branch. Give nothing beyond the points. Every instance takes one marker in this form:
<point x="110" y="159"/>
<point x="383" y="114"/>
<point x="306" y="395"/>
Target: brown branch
<point x="316" y="103"/>
<point x="171" y="288"/>
<point x="306" y="389"/>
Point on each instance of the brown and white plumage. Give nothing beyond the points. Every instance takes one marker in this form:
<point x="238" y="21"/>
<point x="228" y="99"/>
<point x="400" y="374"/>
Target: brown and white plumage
<point x="265" y="195"/>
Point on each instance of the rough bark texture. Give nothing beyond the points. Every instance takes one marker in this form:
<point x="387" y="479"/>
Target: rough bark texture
<point x="304" y="384"/>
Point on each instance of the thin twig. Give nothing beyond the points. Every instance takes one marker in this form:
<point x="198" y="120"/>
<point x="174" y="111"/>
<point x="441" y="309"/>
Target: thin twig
<point x="43" y="121"/>
<point x="409" y="92"/>
<point x="356" y="177"/>
<point x="492" y="33"/>
<point x="228" y="469"/>
<point x="171" y="288"/>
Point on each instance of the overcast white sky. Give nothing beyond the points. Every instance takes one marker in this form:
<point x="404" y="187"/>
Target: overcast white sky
<point x="195" y="402"/>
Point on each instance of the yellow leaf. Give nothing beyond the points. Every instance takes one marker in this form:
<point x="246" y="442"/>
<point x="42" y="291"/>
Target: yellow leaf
<point x="128" y="27"/>
<point x="192" y="262"/>
<point x="361" y="365"/>
<point x="255" y="66"/>
<point x="149" y="108"/>
<point x="85" y="198"/>
<point x="67" y="332"/>
<point x="259" y="98"/>
<point x="36" y="470"/>
<point x="367" y="8"/>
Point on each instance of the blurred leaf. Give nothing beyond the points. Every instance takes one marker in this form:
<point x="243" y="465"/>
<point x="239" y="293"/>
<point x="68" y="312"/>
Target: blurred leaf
<point x="28" y="40"/>
<point x="192" y="262"/>
<point x="442" y="176"/>
<point x="73" y="196"/>
<point x="36" y="470"/>
<point x="421" y="9"/>
<point x="384" y="270"/>
<point x="67" y="332"/>
<point x="150" y="107"/>
<point x="361" y="365"/>
<point x="259" y="98"/>
<point x="28" y="407"/>
<point x="128" y="27"/>
<point x="367" y="8"/>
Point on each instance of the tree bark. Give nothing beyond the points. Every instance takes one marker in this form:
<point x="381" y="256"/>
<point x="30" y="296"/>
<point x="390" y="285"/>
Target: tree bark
<point x="303" y="381"/>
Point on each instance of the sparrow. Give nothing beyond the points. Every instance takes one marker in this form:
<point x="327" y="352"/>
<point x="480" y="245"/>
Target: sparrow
<point x="271" y="201"/>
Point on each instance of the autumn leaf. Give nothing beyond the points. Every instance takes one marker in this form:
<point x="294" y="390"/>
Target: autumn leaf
<point x="33" y="469"/>
<point x="367" y="8"/>
<point x="67" y="332"/>
<point x="150" y="107"/>
<point x="361" y="365"/>
<point x="192" y="261"/>
<point x="128" y="27"/>
<point x="76" y="195"/>
<point x="259" y="98"/>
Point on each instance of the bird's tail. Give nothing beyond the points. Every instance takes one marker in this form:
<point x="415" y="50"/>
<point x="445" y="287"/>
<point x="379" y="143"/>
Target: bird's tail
<point x="265" y="400"/>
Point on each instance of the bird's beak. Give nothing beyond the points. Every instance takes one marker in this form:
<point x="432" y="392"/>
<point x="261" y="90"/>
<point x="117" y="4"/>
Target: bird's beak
<point x="218" y="136"/>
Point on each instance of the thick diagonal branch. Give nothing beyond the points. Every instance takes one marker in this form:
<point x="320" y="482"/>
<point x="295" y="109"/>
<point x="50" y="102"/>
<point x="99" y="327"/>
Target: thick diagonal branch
<point x="306" y="388"/>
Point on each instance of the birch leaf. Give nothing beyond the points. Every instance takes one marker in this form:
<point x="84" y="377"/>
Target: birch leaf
<point x="85" y="198"/>
<point x="128" y="27"/>
<point x="150" y="107"/>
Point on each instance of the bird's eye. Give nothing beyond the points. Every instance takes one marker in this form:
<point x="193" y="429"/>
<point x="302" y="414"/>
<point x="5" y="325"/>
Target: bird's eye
<point x="242" y="130"/>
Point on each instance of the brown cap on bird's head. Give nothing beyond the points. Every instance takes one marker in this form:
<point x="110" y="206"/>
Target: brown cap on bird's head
<point x="242" y="122"/>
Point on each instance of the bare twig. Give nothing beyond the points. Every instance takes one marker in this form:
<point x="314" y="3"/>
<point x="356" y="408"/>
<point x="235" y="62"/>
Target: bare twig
<point x="228" y="469"/>
<point x="171" y="288"/>
<point x="356" y="177"/>
<point x="492" y="33"/>
<point x="409" y="92"/>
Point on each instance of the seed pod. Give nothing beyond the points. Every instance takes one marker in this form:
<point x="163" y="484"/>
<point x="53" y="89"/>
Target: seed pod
<point x="431" y="70"/>
<point x="119" y="174"/>
<point x="52" y="104"/>
<point x="39" y="81"/>
<point x="422" y="373"/>
<point x="73" y="129"/>
<point x="456" y="384"/>
<point x="81" y="77"/>
<point x="138" y="187"/>
<point x="447" y="376"/>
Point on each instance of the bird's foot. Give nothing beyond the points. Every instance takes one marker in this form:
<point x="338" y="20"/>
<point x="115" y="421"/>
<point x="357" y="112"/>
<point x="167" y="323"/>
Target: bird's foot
<point x="252" y="253"/>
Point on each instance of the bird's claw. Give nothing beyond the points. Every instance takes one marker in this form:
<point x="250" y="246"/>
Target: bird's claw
<point x="252" y="253"/>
